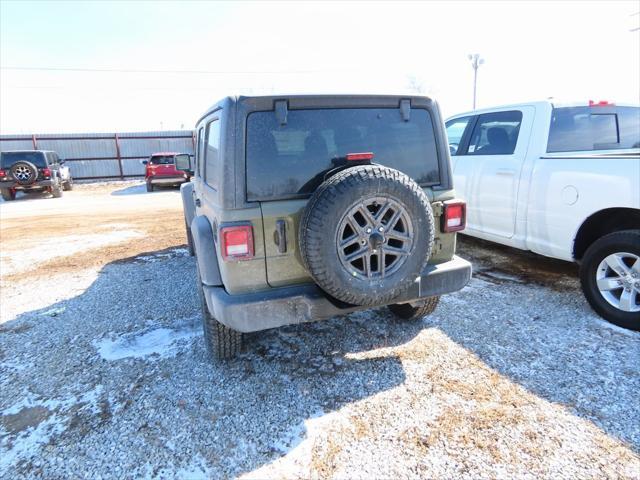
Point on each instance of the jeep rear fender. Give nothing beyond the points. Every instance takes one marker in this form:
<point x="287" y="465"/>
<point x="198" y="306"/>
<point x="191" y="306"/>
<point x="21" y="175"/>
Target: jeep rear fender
<point x="205" y="249"/>
<point x="186" y="190"/>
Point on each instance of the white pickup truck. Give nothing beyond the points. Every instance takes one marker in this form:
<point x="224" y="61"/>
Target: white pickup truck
<point x="562" y="181"/>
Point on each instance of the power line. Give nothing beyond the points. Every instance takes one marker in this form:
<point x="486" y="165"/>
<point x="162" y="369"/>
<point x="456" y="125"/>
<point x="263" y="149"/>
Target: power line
<point x="188" y="72"/>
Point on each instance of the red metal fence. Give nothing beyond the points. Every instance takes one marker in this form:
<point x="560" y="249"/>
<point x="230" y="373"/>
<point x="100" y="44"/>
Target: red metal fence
<point x="104" y="156"/>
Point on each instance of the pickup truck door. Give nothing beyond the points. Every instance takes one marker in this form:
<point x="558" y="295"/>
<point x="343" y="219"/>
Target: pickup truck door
<point x="487" y="168"/>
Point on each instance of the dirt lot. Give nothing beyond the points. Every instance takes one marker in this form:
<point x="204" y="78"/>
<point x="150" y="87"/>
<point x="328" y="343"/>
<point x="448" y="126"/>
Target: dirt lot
<point x="103" y="373"/>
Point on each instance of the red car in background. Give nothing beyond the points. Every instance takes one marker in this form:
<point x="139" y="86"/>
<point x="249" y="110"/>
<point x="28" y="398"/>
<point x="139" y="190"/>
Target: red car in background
<point x="161" y="170"/>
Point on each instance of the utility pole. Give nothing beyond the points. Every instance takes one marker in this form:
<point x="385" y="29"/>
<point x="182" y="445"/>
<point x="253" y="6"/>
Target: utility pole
<point x="476" y="61"/>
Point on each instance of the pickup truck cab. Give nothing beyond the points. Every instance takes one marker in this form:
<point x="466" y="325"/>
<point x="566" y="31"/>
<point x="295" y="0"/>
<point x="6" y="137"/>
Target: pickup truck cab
<point x="161" y="170"/>
<point x="562" y="181"/>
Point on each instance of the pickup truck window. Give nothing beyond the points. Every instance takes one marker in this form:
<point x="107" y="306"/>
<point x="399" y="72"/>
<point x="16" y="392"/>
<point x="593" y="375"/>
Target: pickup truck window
<point x="455" y="130"/>
<point x="290" y="160"/>
<point x="495" y="133"/>
<point x="589" y="129"/>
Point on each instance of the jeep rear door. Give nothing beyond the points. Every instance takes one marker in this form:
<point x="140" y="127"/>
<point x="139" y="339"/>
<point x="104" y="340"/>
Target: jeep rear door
<point x="287" y="162"/>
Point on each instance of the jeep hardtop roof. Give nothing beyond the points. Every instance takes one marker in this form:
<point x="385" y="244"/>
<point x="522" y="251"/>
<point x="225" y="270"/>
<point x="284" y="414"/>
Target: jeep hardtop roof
<point x="320" y="101"/>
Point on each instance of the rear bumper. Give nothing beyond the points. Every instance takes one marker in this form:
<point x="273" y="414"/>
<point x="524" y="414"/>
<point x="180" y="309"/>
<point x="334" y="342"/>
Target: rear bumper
<point x="306" y="303"/>
<point x="167" y="179"/>
<point x="17" y="186"/>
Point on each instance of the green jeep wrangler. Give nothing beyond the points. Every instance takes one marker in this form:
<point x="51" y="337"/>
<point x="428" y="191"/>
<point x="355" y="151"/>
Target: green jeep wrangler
<point x="307" y="207"/>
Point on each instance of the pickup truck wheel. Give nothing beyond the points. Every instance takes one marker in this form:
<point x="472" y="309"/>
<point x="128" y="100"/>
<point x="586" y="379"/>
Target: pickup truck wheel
<point x="149" y="187"/>
<point x="68" y="185"/>
<point x="610" y="278"/>
<point x="8" y="194"/>
<point x="414" y="310"/>
<point x="367" y="234"/>
<point x="222" y="342"/>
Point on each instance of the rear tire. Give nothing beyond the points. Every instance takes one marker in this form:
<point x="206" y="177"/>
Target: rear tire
<point x="222" y="342"/>
<point x="56" y="190"/>
<point x="626" y="245"/>
<point x="149" y="187"/>
<point x="8" y="194"/>
<point x="414" y="310"/>
<point x="68" y="185"/>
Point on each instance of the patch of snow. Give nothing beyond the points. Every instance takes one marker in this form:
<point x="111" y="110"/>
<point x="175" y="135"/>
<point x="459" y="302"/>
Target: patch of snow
<point x="173" y="253"/>
<point x="27" y="443"/>
<point x="290" y="439"/>
<point x="11" y="364"/>
<point x="54" y="312"/>
<point x="196" y="470"/>
<point x="296" y="445"/>
<point x="161" y="341"/>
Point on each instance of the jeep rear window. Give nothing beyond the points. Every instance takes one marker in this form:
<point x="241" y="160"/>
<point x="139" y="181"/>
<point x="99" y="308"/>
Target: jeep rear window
<point x="7" y="159"/>
<point x="161" y="160"/>
<point x="291" y="160"/>
<point x="594" y="128"/>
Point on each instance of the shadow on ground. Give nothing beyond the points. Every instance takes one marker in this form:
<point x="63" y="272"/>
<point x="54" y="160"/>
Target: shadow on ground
<point x="23" y="196"/>
<point x="117" y="382"/>
<point x="575" y="359"/>
<point x="121" y="372"/>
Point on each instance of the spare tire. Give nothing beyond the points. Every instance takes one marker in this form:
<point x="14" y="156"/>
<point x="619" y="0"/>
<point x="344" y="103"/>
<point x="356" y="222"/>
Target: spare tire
<point x="367" y="234"/>
<point x="25" y="173"/>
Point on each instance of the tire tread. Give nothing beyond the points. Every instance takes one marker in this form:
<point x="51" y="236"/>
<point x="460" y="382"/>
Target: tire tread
<point x="311" y="230"/>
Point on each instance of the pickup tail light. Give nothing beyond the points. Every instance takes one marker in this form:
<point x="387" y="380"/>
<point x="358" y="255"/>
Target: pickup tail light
<point x="2" y="173"/>
<point x="601" y="103"/>
<point x="236" y="242"/>
<point x="454" y="216"/>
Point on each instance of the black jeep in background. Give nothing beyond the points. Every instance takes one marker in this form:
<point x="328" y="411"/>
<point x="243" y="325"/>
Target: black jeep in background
<point x="29" y="171"/>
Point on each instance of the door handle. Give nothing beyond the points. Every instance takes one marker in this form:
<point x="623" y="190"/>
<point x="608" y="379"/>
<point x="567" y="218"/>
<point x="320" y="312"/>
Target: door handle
<point x="198" y="202"/>
<point x="280" y="236"/>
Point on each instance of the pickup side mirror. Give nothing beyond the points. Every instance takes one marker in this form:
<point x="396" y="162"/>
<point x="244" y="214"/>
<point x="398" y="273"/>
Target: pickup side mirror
<point x="144" y="162"/>
<point x="183" y="162"/>
<point x="61" y="161"/>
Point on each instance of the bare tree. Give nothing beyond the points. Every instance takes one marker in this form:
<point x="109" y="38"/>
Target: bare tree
<point x="415" y="84"/>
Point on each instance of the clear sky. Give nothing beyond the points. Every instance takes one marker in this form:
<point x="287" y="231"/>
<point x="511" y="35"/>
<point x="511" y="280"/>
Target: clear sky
<point x="174" y="59"/>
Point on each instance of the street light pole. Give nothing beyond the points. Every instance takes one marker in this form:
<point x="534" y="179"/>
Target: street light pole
<point x="476" y="61"/>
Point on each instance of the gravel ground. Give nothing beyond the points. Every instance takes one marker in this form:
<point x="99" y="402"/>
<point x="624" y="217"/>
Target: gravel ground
<point x="514" y="377"/>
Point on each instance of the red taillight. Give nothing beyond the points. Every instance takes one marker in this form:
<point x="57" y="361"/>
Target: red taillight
<point x="352" y="157"/>
<point x="454" y="216"/>
<point x="601" y="103"/>
<point x="3" y="173"/>
<point x="46" y="172"/>
<point x="236" y="242"/>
